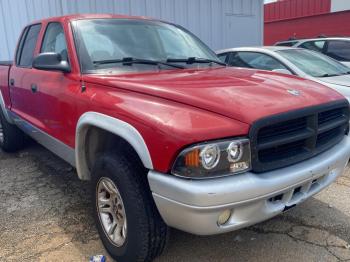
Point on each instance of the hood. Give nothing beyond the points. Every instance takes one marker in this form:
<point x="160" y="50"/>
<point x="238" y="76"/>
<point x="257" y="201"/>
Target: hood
<point x="242" y="94"/>
<point x="343" y="80"/>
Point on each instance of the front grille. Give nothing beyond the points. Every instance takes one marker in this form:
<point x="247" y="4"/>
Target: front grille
<point x="288" y="138"/>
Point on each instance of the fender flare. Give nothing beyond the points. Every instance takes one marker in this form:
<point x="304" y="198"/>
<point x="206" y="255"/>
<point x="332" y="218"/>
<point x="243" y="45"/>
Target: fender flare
<point x="112" y="125"/>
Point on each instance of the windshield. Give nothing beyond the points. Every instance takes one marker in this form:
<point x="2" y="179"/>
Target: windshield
<point x="100" y="42"/>
<point x="313" y="63"/>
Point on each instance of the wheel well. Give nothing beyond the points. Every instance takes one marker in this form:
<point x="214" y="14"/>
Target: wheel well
<point x="99" y="141"/>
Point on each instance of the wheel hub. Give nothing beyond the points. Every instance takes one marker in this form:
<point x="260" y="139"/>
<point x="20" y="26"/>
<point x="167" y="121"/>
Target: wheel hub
<point x="111" y="211"/>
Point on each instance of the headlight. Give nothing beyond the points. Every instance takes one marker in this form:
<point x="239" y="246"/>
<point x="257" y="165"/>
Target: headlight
<point x="209" y="156"/>
<point x="220" y="158"/>
<point x="234" y="151"/>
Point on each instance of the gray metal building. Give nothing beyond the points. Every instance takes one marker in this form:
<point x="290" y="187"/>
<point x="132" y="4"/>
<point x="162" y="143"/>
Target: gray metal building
<point x="219" y="23"/>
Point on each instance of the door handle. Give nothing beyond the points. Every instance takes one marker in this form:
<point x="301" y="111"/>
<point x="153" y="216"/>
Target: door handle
<point x="12" y="82"/>
<point x="34" y="88"/>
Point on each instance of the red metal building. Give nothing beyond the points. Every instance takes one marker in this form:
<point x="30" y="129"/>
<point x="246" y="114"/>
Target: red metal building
<point x="305" y="19"/>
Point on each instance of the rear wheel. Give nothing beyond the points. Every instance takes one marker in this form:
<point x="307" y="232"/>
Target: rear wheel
<point x="128" y="222"/>
<point x="11" y="137"/>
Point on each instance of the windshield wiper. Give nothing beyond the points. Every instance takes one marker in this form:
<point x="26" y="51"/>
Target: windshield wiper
<point x="130" y="61"/>
<point x="195" y="60"/>
<point x="328" y="75"/>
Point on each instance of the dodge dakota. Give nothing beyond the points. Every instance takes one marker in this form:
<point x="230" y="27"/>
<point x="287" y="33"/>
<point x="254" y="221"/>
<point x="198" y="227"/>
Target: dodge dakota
<point x="168" y="135"/>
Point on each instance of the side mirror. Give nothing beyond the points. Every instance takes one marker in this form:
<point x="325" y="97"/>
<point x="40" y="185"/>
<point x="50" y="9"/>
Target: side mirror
<point x="51" y="62"/>
<point x="282" y="71"/>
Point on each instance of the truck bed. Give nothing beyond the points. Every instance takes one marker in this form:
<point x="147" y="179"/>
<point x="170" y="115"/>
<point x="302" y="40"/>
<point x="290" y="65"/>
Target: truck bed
<point x="6" y="63"/>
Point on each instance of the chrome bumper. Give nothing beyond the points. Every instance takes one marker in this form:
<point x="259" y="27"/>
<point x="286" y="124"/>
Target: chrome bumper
<point x="195" y="205"/>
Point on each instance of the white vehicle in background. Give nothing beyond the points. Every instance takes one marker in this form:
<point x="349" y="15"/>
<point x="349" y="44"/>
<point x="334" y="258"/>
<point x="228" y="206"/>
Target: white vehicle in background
<point x="297" y="61"/>
<point x="336" y="47"/>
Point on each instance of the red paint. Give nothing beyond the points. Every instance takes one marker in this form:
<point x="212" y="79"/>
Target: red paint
<point x="290" y="9"/>
<point x="331" y="24"/>
<point x="4" y="73"/>
<point x="171" y="109"/>
<point x="226" y="91"/>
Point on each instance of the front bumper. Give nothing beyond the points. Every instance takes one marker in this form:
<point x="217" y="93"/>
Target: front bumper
<point x="195" y="205"/>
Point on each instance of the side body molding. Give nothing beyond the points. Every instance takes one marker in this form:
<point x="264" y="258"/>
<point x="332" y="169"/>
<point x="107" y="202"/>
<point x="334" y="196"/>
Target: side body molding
<point x="4" y="110"/>
<point x="112" y="125"/>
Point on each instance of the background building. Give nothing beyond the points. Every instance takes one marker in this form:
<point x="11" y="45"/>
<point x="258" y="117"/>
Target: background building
<point x="306" y="19"/>
<point x="219" y="23"/>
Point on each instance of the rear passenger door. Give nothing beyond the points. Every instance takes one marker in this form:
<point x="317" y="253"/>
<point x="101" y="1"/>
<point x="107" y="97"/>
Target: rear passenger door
<point x="21" y="75"/>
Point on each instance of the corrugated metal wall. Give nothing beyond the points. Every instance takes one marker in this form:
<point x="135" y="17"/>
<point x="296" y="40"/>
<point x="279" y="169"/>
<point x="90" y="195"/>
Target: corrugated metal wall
<point x="220" y="23"/>
<point x="330" y="24"/>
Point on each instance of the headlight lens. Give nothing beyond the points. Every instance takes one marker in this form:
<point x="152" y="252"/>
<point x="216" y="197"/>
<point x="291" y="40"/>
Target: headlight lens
<point x="234" y="151"/>
<point x="210" y="156"/>
<point x="220" y="158"/>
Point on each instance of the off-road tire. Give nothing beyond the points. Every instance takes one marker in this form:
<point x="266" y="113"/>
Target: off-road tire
<point x="147" y="233"/>
<point x="13" y="138"/>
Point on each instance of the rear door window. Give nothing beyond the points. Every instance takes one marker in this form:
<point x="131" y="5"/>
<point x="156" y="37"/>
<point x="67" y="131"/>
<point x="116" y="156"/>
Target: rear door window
<point x="339" y="50"/>
<point x="314" y="45"/>
<point x="27" y="50"/>
<point x="255" y="60"/>
<point x="20" y="45"/>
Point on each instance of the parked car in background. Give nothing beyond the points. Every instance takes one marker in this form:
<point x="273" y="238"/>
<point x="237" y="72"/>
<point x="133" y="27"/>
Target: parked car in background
<point x="335" y="47"/>
<point x="297" y="61"/>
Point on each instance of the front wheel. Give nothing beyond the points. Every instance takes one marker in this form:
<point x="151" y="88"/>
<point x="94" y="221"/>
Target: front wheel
<point x="128" y="222"/>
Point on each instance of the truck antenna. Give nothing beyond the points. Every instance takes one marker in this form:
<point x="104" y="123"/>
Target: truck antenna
<point x="77" y="41"/>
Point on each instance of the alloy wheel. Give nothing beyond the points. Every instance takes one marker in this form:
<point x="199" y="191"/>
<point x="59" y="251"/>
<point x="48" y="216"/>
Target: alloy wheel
<point x="111" y="211"/>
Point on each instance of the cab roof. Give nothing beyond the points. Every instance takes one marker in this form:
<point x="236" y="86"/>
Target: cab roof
<point x="72" y="17"/>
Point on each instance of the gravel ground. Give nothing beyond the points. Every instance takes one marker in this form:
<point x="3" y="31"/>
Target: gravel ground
<point x="46" y="216"/>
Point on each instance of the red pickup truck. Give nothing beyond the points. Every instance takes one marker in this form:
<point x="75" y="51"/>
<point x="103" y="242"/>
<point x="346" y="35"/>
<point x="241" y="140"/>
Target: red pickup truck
<point x="168" y="135"/>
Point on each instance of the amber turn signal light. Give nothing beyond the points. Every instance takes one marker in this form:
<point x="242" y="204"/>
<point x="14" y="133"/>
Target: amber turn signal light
<point x="192" y="158"/>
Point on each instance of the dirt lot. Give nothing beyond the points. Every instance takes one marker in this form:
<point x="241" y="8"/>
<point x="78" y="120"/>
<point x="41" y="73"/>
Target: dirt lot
<point x="46" y="217"/>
